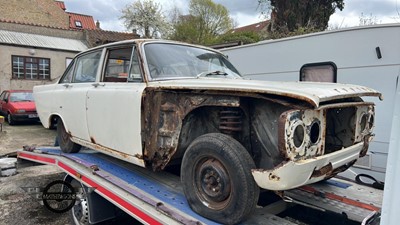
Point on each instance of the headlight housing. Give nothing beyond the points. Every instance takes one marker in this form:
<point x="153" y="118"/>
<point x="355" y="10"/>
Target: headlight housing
<point x="303" y="132"/>
<point x="364" y="122"/>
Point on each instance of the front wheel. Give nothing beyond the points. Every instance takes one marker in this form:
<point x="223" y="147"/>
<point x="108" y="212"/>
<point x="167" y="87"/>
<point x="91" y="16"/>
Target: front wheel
<point x="64" y="139"/>
<point x="10" y="120"/>
<point x="217" y="179"/>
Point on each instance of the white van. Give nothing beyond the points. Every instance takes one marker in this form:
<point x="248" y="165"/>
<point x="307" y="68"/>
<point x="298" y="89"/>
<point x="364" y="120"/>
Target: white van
<point x="368" y="56"/>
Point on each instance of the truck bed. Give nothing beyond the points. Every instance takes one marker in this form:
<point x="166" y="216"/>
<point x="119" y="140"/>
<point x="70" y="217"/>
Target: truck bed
<point x="157" y="197"/>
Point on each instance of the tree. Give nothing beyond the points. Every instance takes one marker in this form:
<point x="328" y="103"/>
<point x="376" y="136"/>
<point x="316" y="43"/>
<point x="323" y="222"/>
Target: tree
<point x="290" y="16"/>
<point x="367" y="20"/>
<point x="245" y="37"/>
<point x="146" y="17"/>
<point x="185" y="29"/>
<point x="206" y="20"/>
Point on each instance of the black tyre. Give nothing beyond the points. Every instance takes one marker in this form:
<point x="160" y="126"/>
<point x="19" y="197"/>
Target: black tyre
<point x="64" y="139"/>
<point x="10" y="120"/>
<point x="217" y="179"/>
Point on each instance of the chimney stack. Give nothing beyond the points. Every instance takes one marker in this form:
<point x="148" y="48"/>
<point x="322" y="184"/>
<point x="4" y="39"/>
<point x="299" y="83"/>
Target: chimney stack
<point x="97" y="24"/>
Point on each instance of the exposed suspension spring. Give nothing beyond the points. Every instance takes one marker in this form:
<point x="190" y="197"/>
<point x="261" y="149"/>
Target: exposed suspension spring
<point x="230" y="121"/>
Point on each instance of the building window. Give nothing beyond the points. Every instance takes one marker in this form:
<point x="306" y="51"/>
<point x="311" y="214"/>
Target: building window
<point x="30" y="68"/>
<point x="319" y="72"/>
<point x="78" y="24"/>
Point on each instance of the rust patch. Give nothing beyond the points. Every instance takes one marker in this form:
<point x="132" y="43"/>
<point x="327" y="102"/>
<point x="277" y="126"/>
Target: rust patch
<point x="340" y="169"/>
<point x="92" y="140"/>
<point x="111" y="151"/>
<point x="365" y="147"/>
<point x="273" y="177"/>
<point x="325" y="170"/>
<point x="163" y="114"/>
<point x="282" y="134"/>
<point x="138" y="156"/>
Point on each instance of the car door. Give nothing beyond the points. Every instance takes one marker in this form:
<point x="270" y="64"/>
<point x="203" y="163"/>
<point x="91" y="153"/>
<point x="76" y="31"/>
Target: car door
<point x="114" y="104"/>
<point x="71" y="93"/>
<point x="4" y="102"/>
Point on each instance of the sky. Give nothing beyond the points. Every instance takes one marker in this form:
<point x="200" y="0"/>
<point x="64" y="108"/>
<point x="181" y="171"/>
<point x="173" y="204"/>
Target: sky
<point x="243" y="12"/>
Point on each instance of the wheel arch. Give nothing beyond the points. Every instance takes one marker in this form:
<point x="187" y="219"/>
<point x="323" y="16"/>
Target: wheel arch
<point x="210" y="119"/>
<point x="166" y="112"/>
<point x="52" y="121"/>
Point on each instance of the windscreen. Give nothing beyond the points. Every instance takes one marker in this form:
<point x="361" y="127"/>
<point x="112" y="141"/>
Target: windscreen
<point x="21" y="97"/>
<point x="168" y="61"/>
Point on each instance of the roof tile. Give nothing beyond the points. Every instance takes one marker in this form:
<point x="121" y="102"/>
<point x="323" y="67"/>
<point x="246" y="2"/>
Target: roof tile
<point x="86" y="21"/>
<point x="98" y="37"/>
<point x="61" y="5"/>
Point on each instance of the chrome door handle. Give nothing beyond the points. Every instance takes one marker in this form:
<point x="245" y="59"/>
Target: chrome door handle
<point x="67" y="85"/>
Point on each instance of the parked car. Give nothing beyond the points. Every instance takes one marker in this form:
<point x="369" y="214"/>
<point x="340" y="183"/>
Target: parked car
<point x="18" y="105"/>
<point x="157" y="103"/>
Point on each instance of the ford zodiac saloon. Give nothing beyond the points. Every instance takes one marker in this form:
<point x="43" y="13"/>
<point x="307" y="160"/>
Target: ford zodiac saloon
<point x="158" y="104"/>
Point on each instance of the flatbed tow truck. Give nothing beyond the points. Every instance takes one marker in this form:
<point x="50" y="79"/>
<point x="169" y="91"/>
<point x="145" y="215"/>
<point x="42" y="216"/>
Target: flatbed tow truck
<point x="157" y="197"/>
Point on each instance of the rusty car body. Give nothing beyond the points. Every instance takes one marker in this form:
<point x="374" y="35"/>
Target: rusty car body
<point x="158" y="103"/>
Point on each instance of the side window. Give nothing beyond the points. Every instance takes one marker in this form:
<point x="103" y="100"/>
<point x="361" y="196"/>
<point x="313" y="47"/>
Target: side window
<point x="6" y="95"/>
<point x="319" y="72"/>
<point x="117" y="66"/>
<point x="86" y="67"/>
<point x="67" y="77"/>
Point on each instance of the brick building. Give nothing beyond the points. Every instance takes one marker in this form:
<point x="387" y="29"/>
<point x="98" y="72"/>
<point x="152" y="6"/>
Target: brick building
<point x="38" y="38"/>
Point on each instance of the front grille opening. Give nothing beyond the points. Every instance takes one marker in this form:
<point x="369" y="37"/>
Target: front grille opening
<point x="340" y="128"/>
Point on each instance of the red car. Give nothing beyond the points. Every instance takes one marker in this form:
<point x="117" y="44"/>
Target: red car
<point x="18" y="105"/>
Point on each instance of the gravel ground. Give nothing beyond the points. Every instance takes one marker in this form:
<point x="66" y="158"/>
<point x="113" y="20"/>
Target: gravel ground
<point x="16" y="205"/>
<point x="14" y="137"/>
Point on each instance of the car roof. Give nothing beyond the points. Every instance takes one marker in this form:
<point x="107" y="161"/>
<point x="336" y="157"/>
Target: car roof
<point x="143" y="41"/>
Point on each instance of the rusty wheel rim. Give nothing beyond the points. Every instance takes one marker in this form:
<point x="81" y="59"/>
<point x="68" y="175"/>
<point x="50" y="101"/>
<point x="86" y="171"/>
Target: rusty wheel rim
<point x="213" y="185"/>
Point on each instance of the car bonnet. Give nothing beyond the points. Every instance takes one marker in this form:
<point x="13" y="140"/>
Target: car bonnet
<point x="311" y="92"/>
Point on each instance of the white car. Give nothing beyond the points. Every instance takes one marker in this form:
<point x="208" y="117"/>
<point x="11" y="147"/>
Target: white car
<point x="158" y="103"/>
